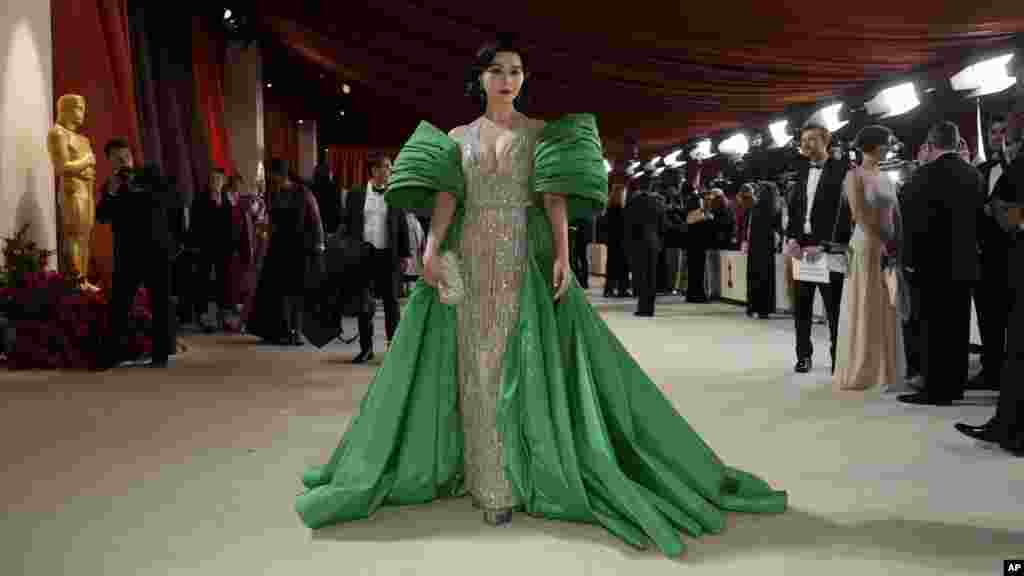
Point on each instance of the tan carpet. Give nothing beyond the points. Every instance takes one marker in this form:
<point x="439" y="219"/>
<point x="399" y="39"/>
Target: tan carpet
<point x="193" y="470"/>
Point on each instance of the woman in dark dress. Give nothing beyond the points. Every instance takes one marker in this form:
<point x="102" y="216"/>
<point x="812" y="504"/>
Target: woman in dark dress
<point x="763" y="221"/>
<point x="617" y="278"/>
<point x="238" y="254"/>
<point x="295" y="251"/>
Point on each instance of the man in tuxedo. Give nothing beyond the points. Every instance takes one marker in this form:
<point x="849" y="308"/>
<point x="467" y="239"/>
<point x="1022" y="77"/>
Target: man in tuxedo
<point x="991" y="293"/>
<point x="385" y="233"/>
<point x="139" y="208"/>
<point x="818" y="214"/>
<point x="1006" y="427"/>
<point x="941" y="219"/>
<point x="645" y="226"/>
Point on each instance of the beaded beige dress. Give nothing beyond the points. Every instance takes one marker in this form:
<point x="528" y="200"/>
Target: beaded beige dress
<point x="497" y="164"/>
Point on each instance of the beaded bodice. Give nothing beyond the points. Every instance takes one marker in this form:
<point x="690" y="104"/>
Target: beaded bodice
<point x="497" y="176"/>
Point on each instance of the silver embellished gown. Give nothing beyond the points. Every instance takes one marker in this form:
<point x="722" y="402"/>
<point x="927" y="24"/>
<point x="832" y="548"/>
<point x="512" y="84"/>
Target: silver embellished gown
<point x="494" y="256"/>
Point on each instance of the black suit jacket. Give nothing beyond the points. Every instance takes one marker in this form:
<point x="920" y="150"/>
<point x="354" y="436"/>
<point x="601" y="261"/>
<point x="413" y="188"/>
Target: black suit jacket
<point x="943" y="201"/>
<point x="354" y="222"/>
<point x="829" y="204"/>
<point x="645" y="222"/>
<point x="143" y="223"/>
<point x="991" y="237"/>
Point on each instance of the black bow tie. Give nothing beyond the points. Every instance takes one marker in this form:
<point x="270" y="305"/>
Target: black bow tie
<point x="817" y="165"/>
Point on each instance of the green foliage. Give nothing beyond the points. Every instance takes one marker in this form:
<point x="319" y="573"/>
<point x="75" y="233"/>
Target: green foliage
<point x="22" y="256"/>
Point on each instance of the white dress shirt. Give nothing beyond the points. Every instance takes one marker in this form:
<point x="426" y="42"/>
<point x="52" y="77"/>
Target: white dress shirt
<point x="813" y="177"/>
<point x="375" y="211"/>
<point x="993" y="177"/>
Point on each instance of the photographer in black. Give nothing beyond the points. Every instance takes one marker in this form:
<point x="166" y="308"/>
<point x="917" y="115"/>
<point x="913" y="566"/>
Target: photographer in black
<point x="139" y="208"/>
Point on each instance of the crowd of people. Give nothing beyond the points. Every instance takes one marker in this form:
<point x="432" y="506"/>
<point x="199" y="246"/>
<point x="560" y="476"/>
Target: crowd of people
<point x="903" y="263"/>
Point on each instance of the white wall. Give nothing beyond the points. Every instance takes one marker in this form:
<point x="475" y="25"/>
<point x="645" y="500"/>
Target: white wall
<point x="307" y="149"/>
<point x="243" y="108"/>
<point x="26" y="115"/>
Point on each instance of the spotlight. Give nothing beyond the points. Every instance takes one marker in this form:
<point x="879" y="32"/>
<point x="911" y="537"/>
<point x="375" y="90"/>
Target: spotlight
<point x="702" y="150"/>
<point x="300" y="122"/>
<point x="829" y="117"/>
<point x="345" y="89"/>
<point x="735" y="145"/>
<point x="672" y="160"/>
<point x="227" y="14"/>
<point x="780" y="133"/>
<point x="341" y="114"/>
<point x="987" y="77"/>
<point x="894" y="101"/>
<point x="269" y="85"/>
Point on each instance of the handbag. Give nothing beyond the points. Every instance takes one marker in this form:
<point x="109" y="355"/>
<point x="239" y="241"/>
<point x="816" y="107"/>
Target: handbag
<point x="452" y="290"/>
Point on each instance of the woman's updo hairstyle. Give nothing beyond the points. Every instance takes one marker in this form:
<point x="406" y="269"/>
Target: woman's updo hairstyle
<point x="871" y="138"/>
<point x="483" y="60"/>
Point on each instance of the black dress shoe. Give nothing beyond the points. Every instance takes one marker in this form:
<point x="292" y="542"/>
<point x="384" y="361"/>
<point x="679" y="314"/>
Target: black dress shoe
<point x="803" y="366"/>
<point x="984" y="433"/>
<point x="643" y="314"/>
<point x="363" y="357"/>
<point x="160" y="363"/>
<point x="925" y="399"/>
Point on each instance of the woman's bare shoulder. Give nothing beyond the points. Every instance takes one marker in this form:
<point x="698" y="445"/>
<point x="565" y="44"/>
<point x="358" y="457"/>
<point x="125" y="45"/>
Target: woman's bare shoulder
<point x="459" y="131"/>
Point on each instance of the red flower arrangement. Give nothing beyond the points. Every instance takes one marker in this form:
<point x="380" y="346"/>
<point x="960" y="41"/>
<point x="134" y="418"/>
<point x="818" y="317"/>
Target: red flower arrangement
<point x="59" y="326"/>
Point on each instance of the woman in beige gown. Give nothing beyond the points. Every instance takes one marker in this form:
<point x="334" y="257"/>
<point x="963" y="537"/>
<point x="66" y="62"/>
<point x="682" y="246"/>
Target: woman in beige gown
<point x="867" y="350"/>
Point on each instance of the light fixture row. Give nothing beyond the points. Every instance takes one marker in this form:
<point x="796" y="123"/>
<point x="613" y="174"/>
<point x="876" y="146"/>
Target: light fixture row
<point x="983" y="78"/>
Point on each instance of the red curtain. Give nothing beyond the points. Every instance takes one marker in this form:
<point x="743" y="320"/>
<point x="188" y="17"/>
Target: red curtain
<point x="92" y="57"/>
<point x="209" y="50"/>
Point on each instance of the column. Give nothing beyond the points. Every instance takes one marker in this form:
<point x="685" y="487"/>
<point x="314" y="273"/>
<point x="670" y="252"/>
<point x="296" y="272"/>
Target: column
<point x="27" y="181"/>
<point x="243" y="109"/>
<point x="307" y="149"/>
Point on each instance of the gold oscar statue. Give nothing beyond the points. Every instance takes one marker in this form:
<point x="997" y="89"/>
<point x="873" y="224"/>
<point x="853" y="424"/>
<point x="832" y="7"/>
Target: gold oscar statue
<point x="75" y="164"/>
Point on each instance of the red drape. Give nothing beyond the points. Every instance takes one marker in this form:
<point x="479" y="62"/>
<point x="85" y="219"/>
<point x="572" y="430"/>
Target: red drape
<point x="209" y="50"/>
<point x="92" y="57"/>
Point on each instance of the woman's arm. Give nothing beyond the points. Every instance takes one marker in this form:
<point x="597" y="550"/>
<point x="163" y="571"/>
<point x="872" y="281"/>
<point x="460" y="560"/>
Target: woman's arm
<point x="555" y="206"/>
<point x="440" y="220"/>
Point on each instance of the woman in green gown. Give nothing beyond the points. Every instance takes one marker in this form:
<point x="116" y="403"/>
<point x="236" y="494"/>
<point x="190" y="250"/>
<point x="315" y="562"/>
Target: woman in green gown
<point x="519" y="394"/>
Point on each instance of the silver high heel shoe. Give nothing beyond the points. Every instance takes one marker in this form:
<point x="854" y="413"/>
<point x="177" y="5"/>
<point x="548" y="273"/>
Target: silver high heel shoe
<point x="498" y="517"/>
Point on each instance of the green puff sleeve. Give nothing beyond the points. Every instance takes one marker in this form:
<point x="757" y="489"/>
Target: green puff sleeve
<point x="569" y="161"/>
<point x="428" y="163"/>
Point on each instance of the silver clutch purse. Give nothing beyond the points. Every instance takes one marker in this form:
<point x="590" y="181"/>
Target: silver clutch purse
<point x="453" y="287"/>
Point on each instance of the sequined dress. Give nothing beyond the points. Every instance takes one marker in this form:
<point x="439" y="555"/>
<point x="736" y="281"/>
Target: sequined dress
<point x="508" y="396"/>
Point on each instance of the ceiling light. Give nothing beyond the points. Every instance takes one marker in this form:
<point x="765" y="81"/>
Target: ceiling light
<point x="735" y="145"/>
<point x="894" y="101"/>
<point x="987" y="77"/>
<point x="345" y="88"/>
<point x="780" y="134"/>
<point x="227" y="13"/>
<point x="342" y="113"/>
<point x="269" y="85"/>
<point x="300" y="121"/>
<point x="829" y="117"/>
